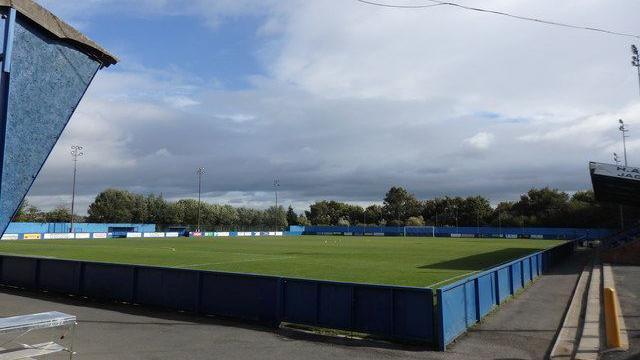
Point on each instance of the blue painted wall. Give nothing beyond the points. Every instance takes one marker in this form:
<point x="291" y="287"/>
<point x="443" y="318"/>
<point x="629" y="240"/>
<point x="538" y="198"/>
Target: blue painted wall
<point x="40" y="91"/>
<point x="26" y="228"/>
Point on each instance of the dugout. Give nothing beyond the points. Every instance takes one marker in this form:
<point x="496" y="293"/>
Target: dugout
<point x="45" y="69"/>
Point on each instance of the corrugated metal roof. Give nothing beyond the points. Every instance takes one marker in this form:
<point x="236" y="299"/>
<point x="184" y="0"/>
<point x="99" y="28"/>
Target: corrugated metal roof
<point x="60" y="29"/>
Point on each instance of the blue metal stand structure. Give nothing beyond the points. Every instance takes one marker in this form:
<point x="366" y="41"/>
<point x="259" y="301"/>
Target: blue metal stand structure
<point x="44" y="75"/>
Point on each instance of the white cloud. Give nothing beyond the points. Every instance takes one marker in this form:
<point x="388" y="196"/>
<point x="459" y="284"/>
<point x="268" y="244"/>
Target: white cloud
<point x="357" y="99"/>
<point x="480" y="141"/>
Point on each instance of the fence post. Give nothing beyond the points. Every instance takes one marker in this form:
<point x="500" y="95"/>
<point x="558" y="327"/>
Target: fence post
<point x="439" y="316"/>
<point x="476" y="286"/>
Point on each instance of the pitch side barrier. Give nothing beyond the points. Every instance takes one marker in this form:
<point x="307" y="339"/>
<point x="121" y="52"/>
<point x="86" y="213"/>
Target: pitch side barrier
<point x="463" y="303"/>
<point x="532" y="233"/>
<point x="395" y="312"/>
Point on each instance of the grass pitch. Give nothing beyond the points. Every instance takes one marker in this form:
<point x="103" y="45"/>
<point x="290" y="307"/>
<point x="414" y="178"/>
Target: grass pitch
<point x="410" y="261"/>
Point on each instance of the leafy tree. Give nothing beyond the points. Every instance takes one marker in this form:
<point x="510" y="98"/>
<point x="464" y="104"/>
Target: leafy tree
<point x="373" y="214"/>
<point x="399" y="205"/>
<point x="278" y="217"/>
<point x="59" y="214"/>
<point x="112" y="205"/>
<point x="292" y="217"/>
<point x="415" y="221"/>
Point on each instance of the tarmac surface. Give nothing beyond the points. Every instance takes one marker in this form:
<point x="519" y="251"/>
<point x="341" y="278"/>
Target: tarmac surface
<point x="523" y="328"/>
<point x="627" y="281"/>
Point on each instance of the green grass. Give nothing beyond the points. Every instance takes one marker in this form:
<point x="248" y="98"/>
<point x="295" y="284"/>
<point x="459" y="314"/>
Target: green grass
<point x="412" y="261"/>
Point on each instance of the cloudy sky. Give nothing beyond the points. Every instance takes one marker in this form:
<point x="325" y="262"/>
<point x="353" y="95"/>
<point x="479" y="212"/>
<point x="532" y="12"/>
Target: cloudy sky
<point x="341" y="100"/>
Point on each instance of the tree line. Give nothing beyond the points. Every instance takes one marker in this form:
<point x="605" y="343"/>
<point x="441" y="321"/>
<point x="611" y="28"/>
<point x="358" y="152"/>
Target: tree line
<point x="543" y="207"/>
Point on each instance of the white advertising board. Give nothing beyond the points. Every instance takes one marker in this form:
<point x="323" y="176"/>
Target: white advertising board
<point x="171" y="234"/>
<point x="153" y="234"/>
<point x="99" y="235"/>
<point x="9" y="236"/>
<point x="83" y="236"/>
<point x="58" y="236"/>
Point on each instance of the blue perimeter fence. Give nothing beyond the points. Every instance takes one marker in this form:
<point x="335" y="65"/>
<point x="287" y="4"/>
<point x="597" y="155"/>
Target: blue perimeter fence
<point x="395" y="312"/>
<point x="451" y="231"/>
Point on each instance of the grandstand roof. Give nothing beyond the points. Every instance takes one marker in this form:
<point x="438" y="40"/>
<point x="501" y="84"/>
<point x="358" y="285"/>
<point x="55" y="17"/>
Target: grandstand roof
<point x="615" y="183"/>
<point x="60" y="29"/>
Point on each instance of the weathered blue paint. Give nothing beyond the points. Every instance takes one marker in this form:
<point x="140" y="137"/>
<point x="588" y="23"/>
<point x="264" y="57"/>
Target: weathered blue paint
<point x="43" y="79"/>
<point x="53" y="77"/>
<point x="28" y="227"/>
<point x="8" y="49"/>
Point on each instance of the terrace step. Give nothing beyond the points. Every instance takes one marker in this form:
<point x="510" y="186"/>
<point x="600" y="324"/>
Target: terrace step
<point x="592" y="337"/>
<point x="566" y="343"/>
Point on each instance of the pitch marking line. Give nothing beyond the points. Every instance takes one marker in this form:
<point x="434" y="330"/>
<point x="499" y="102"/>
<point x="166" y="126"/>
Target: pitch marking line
<point x="455" y="277"/>
<point x="231" y="262"/>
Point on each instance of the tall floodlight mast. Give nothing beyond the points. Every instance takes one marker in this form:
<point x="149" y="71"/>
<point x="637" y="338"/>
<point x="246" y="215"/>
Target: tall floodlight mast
<point x="276" y="185"/>
<point x="200" y="172"/>
<point x="624" y="131"/>
<point x="635" y="61"/>
<point x="76" y="152"/>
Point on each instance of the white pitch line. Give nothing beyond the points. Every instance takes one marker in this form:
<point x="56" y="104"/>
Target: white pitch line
<point x="230" y="262"/>
<point x="455" y="277"/>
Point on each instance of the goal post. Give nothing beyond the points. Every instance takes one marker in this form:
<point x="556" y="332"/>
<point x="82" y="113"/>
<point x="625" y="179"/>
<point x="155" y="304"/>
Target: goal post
<point x="419" y="231"/>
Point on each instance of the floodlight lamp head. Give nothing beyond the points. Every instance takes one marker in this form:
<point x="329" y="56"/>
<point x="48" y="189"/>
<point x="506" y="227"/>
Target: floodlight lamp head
<point x="634" y="49"/>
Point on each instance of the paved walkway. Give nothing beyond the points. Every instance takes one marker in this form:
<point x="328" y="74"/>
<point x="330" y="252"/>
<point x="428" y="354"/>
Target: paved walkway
<point x="523" y="328"/>
<point x="627" y="280"/>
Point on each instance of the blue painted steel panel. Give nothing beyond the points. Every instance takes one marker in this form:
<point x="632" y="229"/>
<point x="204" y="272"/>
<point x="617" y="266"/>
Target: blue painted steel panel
<point x="534" y="266"/>
<point x="516" y="276"/>
<point x="526" y="270"/>
<point x="458" y="309"/>
<point x="53" y="77"/>
<point x="170" y="288"/>
<point x="240" y="296"/>
<point x="20" y="271"/>
<point x="504" y="283"/>
<point x="301" y="301"/>
<point x="335" y="306"/>
<point x="60" y="276"/>
<point x="486" y="293"/>
<point x="413" y="314"/>
<point x="108" y="281"/>
<point x="373" y="310"/>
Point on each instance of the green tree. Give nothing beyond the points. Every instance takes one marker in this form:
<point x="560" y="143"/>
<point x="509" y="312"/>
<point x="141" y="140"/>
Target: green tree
<point x="415" y="221"/>
<point x="112" y="205"/>
<point x="399" y="205"/>
<point x="277" y="218"/>
<point x="59" y="214"/>
<point x="292" y="217"/>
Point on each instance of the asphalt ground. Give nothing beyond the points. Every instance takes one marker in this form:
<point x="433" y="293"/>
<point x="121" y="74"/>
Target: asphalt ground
<point x="523" y="328"/>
